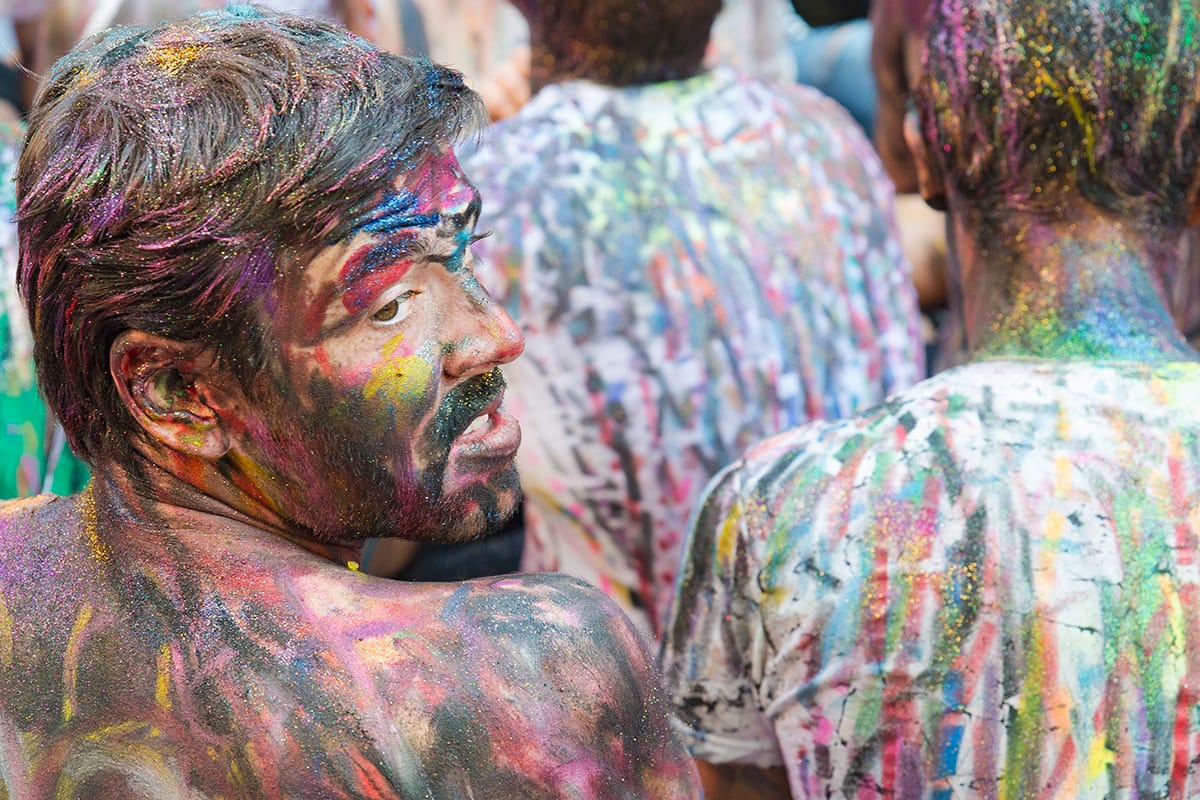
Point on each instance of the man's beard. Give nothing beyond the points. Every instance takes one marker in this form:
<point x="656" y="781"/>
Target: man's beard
<point x="344" y="477"/>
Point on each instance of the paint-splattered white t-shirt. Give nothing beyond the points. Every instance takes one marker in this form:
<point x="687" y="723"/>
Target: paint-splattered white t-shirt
<point x="985" y="587"/>
<point x="695" y="265"/>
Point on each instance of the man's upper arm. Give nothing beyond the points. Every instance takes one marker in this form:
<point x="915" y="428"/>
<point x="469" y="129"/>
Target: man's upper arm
<point x="707" y="652"/>
<point x="620" y="687"/>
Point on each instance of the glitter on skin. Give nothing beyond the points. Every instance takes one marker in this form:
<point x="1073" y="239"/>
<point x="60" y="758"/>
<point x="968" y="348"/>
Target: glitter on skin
<point x="6" y="635"/>
<point x="194" y="615"/>
<point x="71" y="661"/>
<point x="399" y="378"/>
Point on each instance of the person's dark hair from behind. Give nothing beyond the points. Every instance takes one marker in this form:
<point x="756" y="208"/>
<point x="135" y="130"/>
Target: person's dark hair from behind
<point x="820" y="13"/>
<point x="617" y="42"/>
<point x="1018" y="121"/>
<point x="175" y="218"/>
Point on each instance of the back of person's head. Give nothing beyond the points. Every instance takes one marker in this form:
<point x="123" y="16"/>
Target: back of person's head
<point x="619" y="42"/>
<point x="171" y="174"/>
<point x="1034" y="105"/>
<point x="819" y="13"/>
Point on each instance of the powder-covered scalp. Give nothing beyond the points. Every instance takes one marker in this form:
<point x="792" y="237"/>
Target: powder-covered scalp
<point x="170" y="173"/>
<point x="618" y="42"/>
<point x="1033" y="104"/>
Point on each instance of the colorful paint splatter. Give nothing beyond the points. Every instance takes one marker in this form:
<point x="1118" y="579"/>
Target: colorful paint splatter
<point x="695" y="265"/>
<point x="984" y="587"/>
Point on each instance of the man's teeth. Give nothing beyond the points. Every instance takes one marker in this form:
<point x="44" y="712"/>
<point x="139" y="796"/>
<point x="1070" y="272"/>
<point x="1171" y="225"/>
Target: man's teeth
<point x="481" y="422"/>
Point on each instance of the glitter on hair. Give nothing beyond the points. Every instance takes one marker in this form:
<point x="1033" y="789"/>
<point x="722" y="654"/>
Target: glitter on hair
<point x="171" y="174"/>
<point x="1026" y="103"/>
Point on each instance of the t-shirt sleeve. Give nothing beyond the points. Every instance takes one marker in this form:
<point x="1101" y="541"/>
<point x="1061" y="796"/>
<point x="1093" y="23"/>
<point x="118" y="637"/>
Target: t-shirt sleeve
<point x="713" y="650"/>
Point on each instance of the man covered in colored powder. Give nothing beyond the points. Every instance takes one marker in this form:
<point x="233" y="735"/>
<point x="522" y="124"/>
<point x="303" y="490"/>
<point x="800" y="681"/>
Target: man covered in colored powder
<point x="986" y="586"/>
<point x="697" y="260"/>
<point x="246" y="257"/>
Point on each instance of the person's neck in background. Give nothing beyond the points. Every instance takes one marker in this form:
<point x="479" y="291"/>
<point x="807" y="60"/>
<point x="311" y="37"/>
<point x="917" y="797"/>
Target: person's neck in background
<point x="1087" y="287"/>
<point x="579" y="59"/>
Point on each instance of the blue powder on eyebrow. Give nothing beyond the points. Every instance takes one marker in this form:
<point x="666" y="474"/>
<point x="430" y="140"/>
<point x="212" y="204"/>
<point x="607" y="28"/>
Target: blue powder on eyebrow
<point x="455" y="261"/>
<point x="395" y="213"/>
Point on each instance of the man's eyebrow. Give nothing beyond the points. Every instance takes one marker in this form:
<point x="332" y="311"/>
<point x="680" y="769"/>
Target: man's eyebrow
<point x="396" y="211"/>
<point x="394" y="220"/>
<point x="377" y="257"/>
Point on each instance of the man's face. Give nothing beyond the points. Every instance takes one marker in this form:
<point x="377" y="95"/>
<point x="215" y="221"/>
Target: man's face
<point x="382" y="412"/>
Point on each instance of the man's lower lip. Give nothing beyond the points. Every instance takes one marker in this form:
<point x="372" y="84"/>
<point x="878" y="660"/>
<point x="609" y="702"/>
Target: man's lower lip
<point x="500" y="441"/>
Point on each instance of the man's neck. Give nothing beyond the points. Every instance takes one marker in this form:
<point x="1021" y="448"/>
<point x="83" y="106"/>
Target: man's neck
<point x="152" y="501"/>
<point x="1090" y="290"/>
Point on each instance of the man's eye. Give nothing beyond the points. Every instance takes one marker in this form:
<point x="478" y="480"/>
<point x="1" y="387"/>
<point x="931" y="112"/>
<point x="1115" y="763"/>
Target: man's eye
<point x="391" y="312"/>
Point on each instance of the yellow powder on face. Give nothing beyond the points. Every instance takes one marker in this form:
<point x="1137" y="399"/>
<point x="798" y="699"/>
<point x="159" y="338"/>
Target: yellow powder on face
<point x="400" y="379"/>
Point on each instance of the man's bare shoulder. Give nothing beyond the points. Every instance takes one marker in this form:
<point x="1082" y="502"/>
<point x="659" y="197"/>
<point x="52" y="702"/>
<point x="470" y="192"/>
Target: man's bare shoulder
<point x="44" y="552"/>
<point x="46" y="511"/>
<point x="532" y="613"/>
<point x="533" y="684"/>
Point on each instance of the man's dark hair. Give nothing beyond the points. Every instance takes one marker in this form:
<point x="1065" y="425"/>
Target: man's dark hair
<point x="621" y="42"/>
<point x="171" y="173"/>
<point x="1028" y="102"/>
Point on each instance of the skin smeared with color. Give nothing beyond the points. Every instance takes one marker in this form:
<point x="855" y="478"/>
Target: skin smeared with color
<point x="1061" y="84"/>
<point x="366" y="332"/>
<point x="982" y="586"/>
<point x="254" y="308"/>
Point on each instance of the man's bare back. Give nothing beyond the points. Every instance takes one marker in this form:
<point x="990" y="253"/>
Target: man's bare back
<point x="158" y="664"/>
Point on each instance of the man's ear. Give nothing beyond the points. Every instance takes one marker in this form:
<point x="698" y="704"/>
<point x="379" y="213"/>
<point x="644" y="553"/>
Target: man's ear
<point x="172" y="390"/>
<point x="930" y="181"/>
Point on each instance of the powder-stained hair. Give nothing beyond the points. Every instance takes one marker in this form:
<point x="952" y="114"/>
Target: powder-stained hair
<point x="1032" y="104"/>
<point x="170" y="174"/>
<point x="624" y="42"/>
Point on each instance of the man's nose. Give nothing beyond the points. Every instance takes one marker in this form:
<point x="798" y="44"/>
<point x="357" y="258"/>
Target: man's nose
<point x="490" y="338"/>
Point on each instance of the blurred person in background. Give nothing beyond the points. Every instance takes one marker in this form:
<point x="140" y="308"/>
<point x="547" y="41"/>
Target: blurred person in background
<point x="827" y="45"/>
<point x="696" y="259"/>
<point x="487" y="40"/>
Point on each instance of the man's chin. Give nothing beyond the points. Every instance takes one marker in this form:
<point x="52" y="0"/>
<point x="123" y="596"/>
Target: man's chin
<point x="480" y="509"/>
<point x="465" y="512"/>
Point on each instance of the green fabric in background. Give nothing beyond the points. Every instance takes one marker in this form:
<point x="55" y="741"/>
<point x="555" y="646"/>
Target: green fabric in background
<point x="33" y="454"/>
